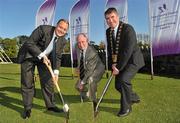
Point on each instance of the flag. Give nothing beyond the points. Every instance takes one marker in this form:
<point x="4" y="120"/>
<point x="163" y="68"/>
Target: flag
<point x="121" y="7"/>
<point x="45" y="13"/>
<point x="79" y="23"/>
<point x="164" y="18"/>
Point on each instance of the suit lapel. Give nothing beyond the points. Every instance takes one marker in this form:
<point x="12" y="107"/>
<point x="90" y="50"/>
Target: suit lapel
<point x="118" y="35"/>
<point x="86" y="55"/>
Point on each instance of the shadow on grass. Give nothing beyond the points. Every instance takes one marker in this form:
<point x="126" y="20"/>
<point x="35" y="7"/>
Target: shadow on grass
<point x="140" y="78"/>
<point x="61" y="114"/>
<point x="7" y="78"/>
<point x="112" y="101"/>
<point x="72" y="98"/>
<point x="111" y="110"/>
<point x="170" y="75"/>
<point x="9" y="73"/>
<point x="10" y="102"/>
<point x="16" y="103"/>
<point x="76" y="99"/>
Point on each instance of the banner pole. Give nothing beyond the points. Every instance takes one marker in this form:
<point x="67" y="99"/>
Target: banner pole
<point x="71" y="45"/>
<point x="151" y="55"/>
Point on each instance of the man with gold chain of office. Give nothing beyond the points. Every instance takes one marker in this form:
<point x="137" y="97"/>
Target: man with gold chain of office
<point x="125" y="57"/>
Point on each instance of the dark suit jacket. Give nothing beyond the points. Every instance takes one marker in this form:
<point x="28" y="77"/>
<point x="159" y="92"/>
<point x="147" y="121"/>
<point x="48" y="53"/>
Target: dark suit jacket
<point x="129" y="55"/>
<point x="94" y="68"/>
<point x="38" y="42"/>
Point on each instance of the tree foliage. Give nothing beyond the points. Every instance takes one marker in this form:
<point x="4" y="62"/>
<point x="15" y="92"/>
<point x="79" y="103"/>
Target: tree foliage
<point x="9" y="46"/>
<point x="67" y="47"/>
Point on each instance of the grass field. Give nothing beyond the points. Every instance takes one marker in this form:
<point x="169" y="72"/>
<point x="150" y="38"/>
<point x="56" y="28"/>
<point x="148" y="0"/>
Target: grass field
<point x="160" y="100"/>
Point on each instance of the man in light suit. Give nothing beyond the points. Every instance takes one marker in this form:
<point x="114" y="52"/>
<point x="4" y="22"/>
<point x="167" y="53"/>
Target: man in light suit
<point x="125" y="57"/>
<point x="45" y="44"/>
<point x="93" y="68"/>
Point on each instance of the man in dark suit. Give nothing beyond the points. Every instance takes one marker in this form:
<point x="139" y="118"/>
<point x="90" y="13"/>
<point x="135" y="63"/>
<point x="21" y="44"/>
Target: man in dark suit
<point x="45" y="44"/>
<point x="125" y="57"/>
<point x="90" y="68"/>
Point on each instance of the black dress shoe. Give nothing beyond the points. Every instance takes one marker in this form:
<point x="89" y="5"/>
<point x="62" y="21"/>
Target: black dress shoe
<point x="135" y="101"/>
<point x="55" y="109"/>
<point x="26" y="114"/>
<point x="124" y="113"/>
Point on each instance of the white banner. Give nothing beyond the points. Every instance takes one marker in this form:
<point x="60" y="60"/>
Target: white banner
<point x="121" y="6"/>
<point x="79" y="23"/>
<point x="165" y="26"/>
<point x="45" y="13"/>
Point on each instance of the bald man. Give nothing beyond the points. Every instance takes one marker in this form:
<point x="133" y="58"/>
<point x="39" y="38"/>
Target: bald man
<point x="90" y="67"/>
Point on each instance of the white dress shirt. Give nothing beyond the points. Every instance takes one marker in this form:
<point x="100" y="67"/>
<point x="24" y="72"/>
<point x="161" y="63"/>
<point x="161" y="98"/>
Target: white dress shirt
<point x="48" y="50"/>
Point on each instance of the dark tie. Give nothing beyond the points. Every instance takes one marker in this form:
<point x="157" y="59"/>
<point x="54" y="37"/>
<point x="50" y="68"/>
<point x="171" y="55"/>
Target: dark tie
<point x="81" y="66"/>
<point x="54" y="52"/>
<point x="113" y="35"/>
<point x="114" y="39"/>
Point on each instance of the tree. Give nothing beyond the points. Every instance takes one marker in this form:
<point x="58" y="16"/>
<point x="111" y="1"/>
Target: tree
<point x="9" y="46"/>
<point x="0" y="39"/>
<point x="67" y="46"/>
<point x="102" y="45"/>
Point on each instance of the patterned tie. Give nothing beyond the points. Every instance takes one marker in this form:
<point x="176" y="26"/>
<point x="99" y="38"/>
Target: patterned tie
<point x="81" y="66"/>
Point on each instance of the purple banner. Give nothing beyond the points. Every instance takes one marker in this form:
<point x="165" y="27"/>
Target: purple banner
<point x="45" y="13"/>
<point x="165" y="26"/>
<point x="79" y="23"/>
<point x="121" y="6"/>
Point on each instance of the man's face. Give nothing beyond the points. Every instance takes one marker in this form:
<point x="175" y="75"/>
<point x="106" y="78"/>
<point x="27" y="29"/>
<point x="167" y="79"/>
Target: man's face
<point x="82" y="42"/>
<point x="61" y="28"/>
<point x="112" y="19"/>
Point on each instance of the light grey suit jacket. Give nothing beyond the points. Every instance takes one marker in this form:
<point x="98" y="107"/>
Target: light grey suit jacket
<point x="94" y="68"/>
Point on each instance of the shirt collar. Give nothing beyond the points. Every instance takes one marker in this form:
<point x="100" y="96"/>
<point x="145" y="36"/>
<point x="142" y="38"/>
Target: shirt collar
<point x="84" y="51"/>
<point x="54" y="35"/>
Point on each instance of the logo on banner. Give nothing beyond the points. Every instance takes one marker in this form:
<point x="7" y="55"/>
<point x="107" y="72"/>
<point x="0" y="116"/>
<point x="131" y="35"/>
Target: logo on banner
<point x="78" y="25"/>
<point x="45" y="21"/>
<point x="78" y="20"/>
<point x="162" y="8"/>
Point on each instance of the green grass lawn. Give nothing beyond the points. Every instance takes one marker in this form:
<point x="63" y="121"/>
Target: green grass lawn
<point x="160" y="100"/>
